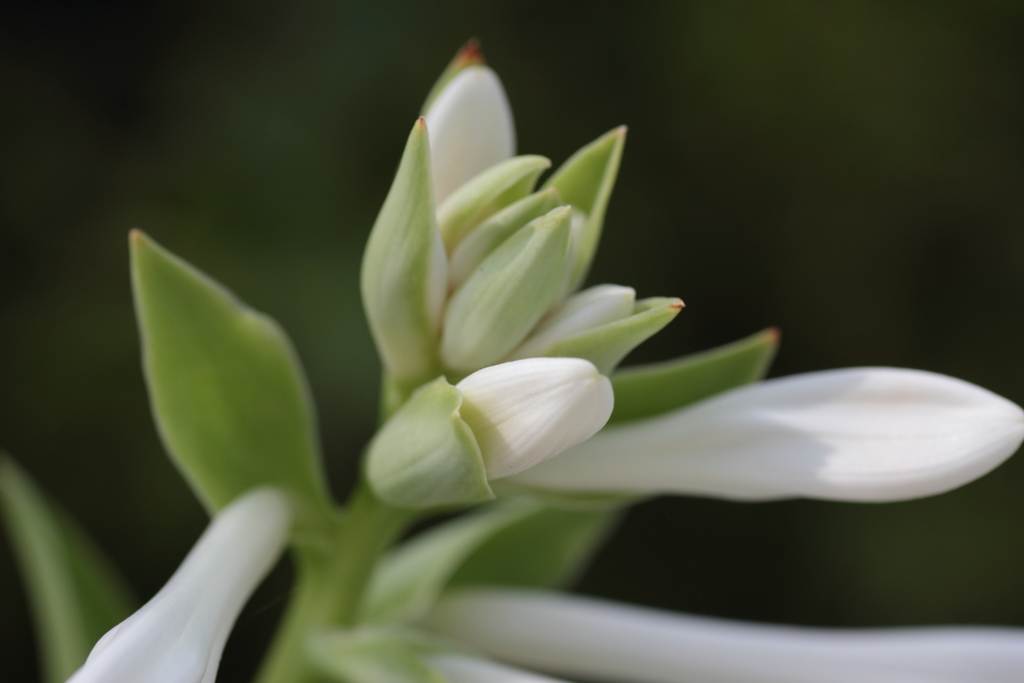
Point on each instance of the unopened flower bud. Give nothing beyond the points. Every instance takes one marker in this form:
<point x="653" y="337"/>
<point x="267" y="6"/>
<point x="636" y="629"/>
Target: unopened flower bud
<point x="471" y="128"/>
<point x="447" y="442"/>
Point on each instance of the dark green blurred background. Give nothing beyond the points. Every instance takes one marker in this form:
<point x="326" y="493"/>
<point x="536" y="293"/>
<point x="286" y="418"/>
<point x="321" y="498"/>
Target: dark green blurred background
<point x="850" y="171"/>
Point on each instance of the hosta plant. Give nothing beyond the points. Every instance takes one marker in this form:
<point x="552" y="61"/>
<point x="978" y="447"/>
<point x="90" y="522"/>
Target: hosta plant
<point x="502" y="406"/>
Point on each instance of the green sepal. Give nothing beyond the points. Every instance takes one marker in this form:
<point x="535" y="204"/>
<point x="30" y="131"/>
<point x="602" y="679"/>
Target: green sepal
<point x="402" y="277"/>
<point x="74" y="594"/>
<point x="467" y="56"/>
<point x="228" y="395"/>
<point x="486" y="193"/>
<point x="586" y="181"/>
<point x="507" y="294"/>
<point x="426" y="456"/>
<point x="490" y="234"/>
<point x="375" y="655"/>
<point x="646" y="390"/>
<point x="606" y="345"/>
<point x="515" y="542"/>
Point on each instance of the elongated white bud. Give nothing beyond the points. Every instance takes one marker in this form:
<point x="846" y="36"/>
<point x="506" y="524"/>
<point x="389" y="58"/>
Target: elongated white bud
<point x="525" y="412"/>
<point x="580" y="312"/>
<point x="471" y="128"/>
<point x="179" y="635"/>
<point x="603" y="641"/>
<point x="860" y="434"/>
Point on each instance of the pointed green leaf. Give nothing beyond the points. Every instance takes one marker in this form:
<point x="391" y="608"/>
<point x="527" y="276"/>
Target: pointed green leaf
<point x="426" y="456"/>
<point x="505" y="297"/>
<point x="547" y="549"/>
<point x="490" y="234"/>
<point x="411" y="578"/>
<point x="646" y="390"/>
<point x="373" y="655"/>
<point x="229" y="397"/>
<point x="74" y="593"/>
<point x="487" y="193"/>
<point x="586" y="181"/>
<point x="404" y="274"/>
<point x="605" y="346"/>
<point x="515" y="542"/>
<point x="468" y="55"/>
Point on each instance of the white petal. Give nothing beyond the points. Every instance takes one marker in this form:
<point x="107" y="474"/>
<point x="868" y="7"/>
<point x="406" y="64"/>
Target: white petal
<point x="462" y="669"/>
<point x="178" y="636"/>
<point x="471" y="129"/>
<point x="860" y="434"/>
<point x="590" y="308"/>
<point x="527" y="411"/>
<point x="605" y="641"/>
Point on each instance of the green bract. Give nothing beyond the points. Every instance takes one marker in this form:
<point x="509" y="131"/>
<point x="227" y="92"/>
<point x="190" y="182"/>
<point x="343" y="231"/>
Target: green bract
<point x="646" y="390"/>
<point x="605" y="346"/>
<point x="487" y="193"/>
<point x="507" y="294"/>
<point x="228" y="395"/>
<point x="404" y="274"/>
<point x="586" y="181"/>
<point x="486" y="237"/>
<point x="426" y="455"/>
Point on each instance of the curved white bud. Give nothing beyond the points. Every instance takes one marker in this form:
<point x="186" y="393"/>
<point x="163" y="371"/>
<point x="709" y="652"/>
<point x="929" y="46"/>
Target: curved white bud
<point x="528" y="411"/>
<point x="463" y="669"/>
<point x="470" y="127"/>
<point x="590" y="308"/>
<point x="860" y="434"/>
<point x="179" y="635"/>
<point x="605" y="641"/>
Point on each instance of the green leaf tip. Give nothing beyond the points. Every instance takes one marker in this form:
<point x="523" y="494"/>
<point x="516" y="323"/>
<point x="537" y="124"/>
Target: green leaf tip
<point x="74" y="593"/>
<point x="426" y="456"/>
<point x="586" y="181"/>
<point x="403" y="278"/>
<point x="229" y="397"/>
<point x="605" y="346"/>
<point x="647" y="390"/>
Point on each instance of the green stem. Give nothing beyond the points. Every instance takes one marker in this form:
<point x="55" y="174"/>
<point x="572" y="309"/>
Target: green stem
<point x="332" y="576"/>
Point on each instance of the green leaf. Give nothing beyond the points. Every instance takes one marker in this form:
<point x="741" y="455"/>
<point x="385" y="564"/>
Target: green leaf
<point x="426" y="456"/>
<point x="373" y="655"/>
<point x="516" y="542"/>
<point x="547" y="549"/>
<point x="403" y="279"/>
<point x="74" y="593"/>
<point x="487" y="193"/>
<point x="586" y="181"/>
<point x="645" y="390"/>
<point x="505" y="297"/>
<point x="606" y="345"/>
<point x="230" y="400"/>
<point x="490" y="234"/>
<point x="469" y="55"/>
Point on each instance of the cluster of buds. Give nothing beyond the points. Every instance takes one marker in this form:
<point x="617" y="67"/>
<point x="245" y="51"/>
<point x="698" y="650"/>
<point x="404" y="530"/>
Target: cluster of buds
<point x="470" y="271"/>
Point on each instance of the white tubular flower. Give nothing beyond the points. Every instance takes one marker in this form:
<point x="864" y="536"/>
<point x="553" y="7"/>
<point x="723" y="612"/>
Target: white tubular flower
<point x="580" y="312"/>
<point x="860" y="434"/>
<point x="604" y="641"/>
<point x="179" y="635"/>
<point x="527" y="411"/>
<point x="462" y="669"/>
<point x="470" y="127"/>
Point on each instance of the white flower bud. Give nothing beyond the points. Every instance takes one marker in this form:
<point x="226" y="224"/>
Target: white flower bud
<point x="179" y="635"/>
<point x="587" y="309"/>
<point x="527" y="411"/>
<point x="471" y="129"/>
